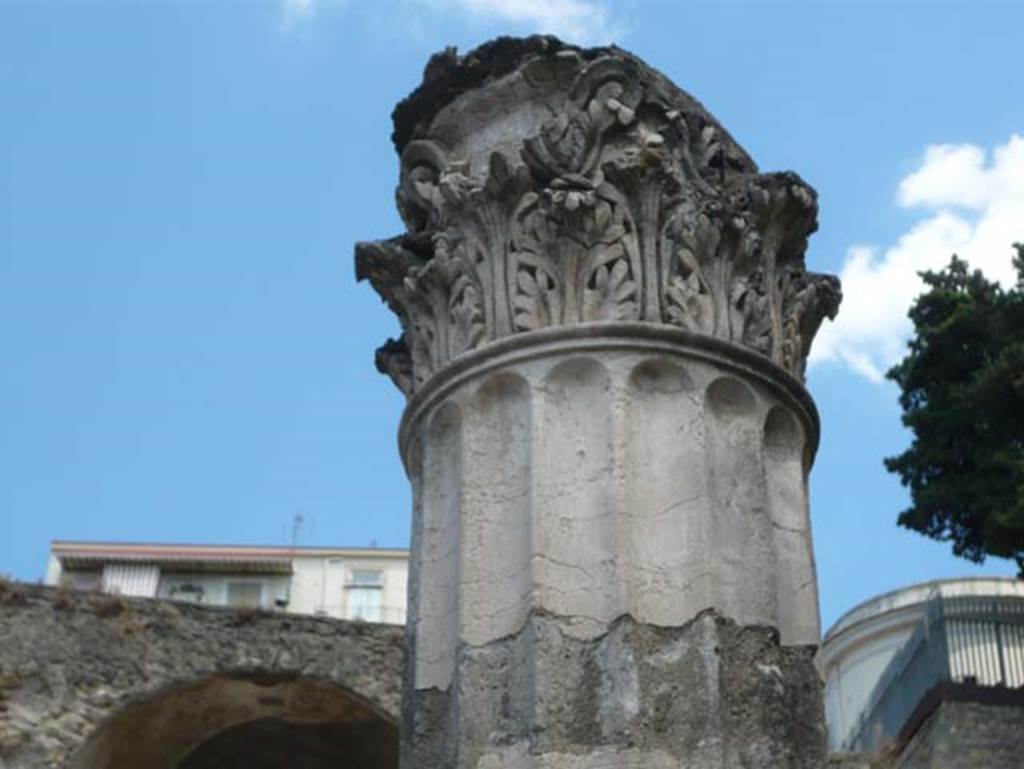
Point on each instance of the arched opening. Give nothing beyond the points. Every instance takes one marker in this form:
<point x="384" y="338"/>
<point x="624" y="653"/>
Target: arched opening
<point x="245" y="721"/>
<point x="273" y="743"/>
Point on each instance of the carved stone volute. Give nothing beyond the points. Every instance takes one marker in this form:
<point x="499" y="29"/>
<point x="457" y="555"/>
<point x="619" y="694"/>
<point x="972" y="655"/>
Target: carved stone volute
<point x="545" y="185"/>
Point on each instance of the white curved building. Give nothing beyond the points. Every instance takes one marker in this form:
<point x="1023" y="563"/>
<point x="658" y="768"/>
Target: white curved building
<point x="859" y="647"/>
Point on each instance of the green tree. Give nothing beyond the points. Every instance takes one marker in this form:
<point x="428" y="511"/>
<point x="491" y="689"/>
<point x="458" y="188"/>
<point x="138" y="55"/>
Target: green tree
<point x="962" y="385"/>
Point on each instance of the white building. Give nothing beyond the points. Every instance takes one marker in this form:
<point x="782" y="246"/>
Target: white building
<point x="346" y="583"/>
<point x="957" y="630"/>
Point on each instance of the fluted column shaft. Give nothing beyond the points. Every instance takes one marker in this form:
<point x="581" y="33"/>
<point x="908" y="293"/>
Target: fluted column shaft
<point x="569" y="480"/>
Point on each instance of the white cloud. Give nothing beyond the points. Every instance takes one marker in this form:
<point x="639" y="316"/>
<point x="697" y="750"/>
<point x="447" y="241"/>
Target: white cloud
<point x="295" y="10"/>
<point x="973" y="206"/>
<point x="578" y="21"/>
<point x="951" y="175"/>
<point x="584" y="21"/>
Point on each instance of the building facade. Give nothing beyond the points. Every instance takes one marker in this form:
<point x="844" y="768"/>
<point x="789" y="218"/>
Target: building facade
<point x="345" y="583"/>
<point x="892" y="658"/>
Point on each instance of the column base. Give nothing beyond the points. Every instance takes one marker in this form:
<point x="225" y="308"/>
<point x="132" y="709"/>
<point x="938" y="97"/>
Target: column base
<point x="709" y="694"/>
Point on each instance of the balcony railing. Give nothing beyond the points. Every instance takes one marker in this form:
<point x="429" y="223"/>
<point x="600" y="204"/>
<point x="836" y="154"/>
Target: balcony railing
<point x="962" y="640"/>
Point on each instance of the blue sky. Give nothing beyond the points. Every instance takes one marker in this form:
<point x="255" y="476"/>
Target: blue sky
<point x="186" y="354"/>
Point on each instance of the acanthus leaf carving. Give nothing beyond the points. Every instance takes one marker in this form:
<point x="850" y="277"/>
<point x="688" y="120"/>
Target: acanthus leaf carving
<point x="536" y="286"/>
<point x="627" y="203"/>
<point x="394" y="360"/>
<point x="809" y="299"/>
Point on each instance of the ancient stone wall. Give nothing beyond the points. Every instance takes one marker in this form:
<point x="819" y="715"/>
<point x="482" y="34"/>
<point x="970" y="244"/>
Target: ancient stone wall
<point x="93" y="681"/>
<point x="967" y="735"/>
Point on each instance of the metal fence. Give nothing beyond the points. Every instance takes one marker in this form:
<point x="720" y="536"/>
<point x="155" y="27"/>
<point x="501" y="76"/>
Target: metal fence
<point x="964" y="639"/>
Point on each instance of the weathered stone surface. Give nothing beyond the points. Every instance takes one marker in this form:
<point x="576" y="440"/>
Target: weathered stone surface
<point x="591" y="474"/>
<point x="591" y="479"/>
<point x="853" y="761"/>
<point x="706" y="694"/>
<point x="605" y="318"/>
<point x="91" y="681"/>
<point x="543" y="184"/>
<point x="957" y="734"/>
<point x="967" y="735"/>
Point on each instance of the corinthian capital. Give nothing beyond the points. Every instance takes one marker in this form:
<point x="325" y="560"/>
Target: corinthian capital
<point x="544" y="185"/>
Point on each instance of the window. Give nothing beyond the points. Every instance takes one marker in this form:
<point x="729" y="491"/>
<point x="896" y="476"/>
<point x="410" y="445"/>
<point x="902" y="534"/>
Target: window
<point x="364" y="595"/>
<point x="245" y="595"/>
<point x="81" y="580"/>
<point x="366" y="579"/>
<point x="190" y="592"/>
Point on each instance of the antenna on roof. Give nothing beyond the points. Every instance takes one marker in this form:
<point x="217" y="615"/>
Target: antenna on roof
<point x="296" y="527"/>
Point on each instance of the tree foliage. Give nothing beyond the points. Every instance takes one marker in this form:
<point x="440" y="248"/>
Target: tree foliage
<point x="962" y="385"/>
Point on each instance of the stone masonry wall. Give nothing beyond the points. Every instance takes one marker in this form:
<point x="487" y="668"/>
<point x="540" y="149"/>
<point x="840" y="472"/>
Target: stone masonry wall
<point x="967" y="735"/>
<point x="69" y="661"/>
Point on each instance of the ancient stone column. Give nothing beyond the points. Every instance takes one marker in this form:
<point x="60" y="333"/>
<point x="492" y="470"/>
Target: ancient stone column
<point x="605" y="319"/>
